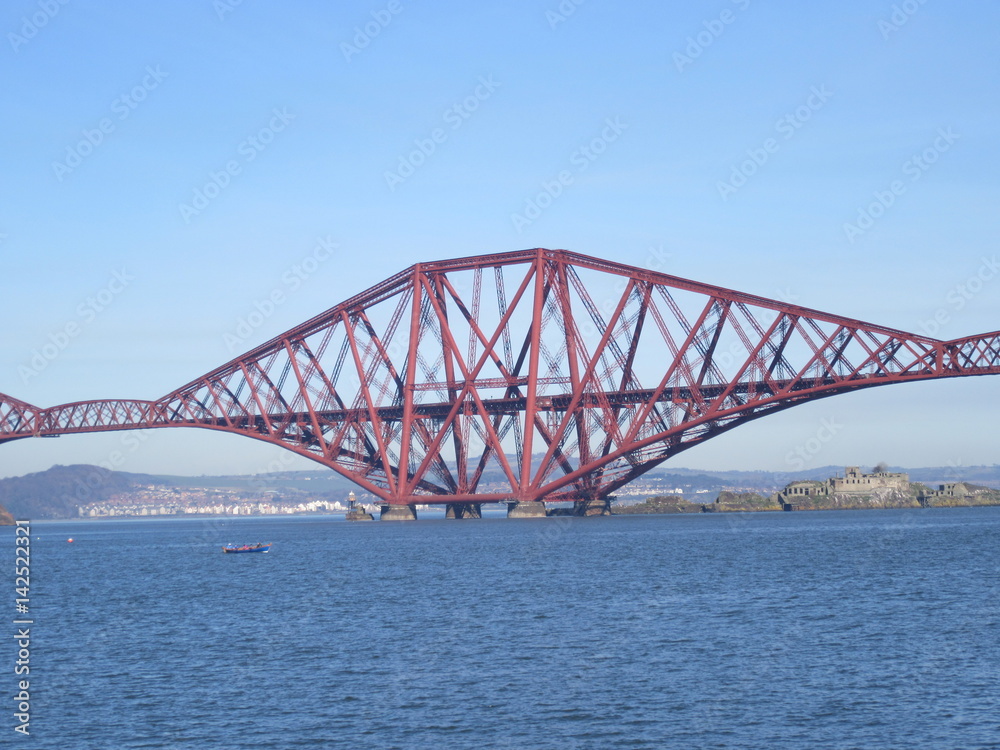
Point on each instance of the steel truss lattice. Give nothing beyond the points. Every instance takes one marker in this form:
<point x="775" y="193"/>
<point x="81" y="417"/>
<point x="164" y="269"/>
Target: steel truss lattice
<point x="539" y="374"/>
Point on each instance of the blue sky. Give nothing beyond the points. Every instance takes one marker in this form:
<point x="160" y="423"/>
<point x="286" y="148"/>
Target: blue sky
<point x="747" y="135"/>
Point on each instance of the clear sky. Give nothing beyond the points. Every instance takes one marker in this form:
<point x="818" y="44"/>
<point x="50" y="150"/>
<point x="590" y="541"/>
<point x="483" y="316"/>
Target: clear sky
<point x="167" y="165"/>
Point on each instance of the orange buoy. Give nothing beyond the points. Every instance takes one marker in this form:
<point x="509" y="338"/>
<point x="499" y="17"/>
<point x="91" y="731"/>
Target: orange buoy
<point x="70" y="540"/>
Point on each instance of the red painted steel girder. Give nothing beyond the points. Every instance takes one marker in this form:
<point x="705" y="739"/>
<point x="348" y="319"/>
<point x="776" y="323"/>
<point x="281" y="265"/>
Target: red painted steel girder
<point x="17" y="417"/>
<point x="539" y="374"/>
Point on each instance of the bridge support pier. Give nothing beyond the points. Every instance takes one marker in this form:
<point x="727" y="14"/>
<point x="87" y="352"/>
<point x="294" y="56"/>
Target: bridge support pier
<point x="359" y="515"/>
<point x="464" y="510"/>
<point x="525" y="509"/>
<point x="594" y="507"/>
<point x="398" y="513"/>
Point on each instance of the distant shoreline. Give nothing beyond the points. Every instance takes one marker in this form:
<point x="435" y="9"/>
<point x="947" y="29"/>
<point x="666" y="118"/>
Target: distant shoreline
<point x="674" y="505"/>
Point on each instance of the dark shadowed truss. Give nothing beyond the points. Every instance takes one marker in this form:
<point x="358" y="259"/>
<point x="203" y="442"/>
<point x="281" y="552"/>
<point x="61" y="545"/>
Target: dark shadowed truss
<point x="531" y="375"/>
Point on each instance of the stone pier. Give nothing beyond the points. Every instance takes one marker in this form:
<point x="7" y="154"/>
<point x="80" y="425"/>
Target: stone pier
<point x="357" y="512"/>
<point x="532" y="509"/>
<point x="398" y="513"/>
<point x="463" y="510"/>
<point x="595" y="507"/>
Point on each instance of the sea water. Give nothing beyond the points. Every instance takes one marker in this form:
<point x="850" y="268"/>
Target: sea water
<point x="850" y="629"/>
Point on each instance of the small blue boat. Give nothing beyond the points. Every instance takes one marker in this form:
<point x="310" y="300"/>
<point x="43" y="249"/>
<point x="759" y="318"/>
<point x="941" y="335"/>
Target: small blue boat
<point x="247" y="548"/>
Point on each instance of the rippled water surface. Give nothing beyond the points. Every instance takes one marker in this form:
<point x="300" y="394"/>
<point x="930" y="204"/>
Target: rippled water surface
<point x="855" y="629"/>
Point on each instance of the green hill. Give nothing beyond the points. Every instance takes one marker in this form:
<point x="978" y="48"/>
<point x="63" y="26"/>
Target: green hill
<point x="56" y="493"/>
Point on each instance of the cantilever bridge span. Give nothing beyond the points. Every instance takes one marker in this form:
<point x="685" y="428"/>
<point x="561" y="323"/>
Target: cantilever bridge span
<point x="523" y="377"/>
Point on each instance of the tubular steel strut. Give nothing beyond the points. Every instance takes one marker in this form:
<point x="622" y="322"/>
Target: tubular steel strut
<point x="564" y="378"/>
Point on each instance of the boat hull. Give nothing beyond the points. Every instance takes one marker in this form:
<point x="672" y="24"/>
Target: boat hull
<point x="238" y="550"/>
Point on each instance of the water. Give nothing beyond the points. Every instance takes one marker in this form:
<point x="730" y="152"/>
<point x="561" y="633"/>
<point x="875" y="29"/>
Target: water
<point x="853" y="629"/>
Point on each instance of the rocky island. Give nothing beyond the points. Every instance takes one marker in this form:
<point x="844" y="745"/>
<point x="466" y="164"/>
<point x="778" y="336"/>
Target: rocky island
<point x="855" y="490"/>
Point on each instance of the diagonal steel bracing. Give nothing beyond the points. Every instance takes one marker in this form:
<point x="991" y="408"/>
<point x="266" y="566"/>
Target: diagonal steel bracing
<point x="538" y="374"/>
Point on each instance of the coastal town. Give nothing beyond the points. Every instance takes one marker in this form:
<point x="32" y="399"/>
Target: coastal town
<point x="155" y="500"/>
<point x="165" y="500"/>
<point x="851" y="489"/>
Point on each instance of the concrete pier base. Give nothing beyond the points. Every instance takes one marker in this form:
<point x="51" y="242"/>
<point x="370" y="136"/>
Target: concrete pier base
<point x="463" y="510"/>
<point x="398" y="513"/>
<point x="359" y="515"/>
<point x="599" y="507"/>
<point x="517" y="509"/>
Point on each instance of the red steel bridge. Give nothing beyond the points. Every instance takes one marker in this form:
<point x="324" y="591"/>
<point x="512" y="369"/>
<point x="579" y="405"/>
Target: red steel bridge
<point x="565" y="376"/>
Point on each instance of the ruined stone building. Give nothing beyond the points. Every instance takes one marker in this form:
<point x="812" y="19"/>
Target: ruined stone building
<point x="958" y="491"/>
<point x="854" y="482"/>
